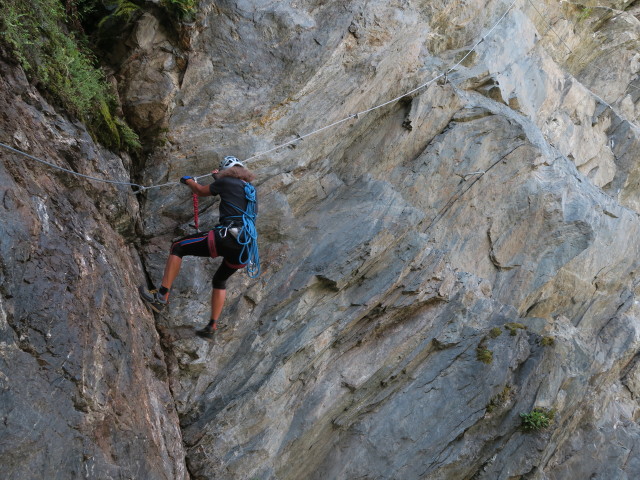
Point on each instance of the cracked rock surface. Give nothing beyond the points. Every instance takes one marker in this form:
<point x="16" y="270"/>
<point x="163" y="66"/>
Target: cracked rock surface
<point x="84" y="390"/>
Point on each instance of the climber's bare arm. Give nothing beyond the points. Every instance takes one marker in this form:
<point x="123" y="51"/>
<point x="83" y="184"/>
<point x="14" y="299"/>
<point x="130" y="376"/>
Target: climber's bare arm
<point x="200" y="190"/>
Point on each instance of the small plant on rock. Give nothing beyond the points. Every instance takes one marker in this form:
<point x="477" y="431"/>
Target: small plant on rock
<point x="548" y="341"/>
<point x="513" y="327"/>
<point x="500" y="399"/>
<point x="484" y="354"/>
<point x="495" y="332"/>
<point x="585" y="13"/>
<point x="538" y="419"/>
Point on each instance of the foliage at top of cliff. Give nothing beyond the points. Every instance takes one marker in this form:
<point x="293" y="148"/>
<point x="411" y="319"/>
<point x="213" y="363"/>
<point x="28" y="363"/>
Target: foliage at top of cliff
<point x="123" y="11"/>
<point x="49" y="43"/>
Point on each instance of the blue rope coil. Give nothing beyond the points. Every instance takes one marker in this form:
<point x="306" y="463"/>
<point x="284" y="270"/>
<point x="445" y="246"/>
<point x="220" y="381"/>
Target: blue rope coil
<point x="248" y="237"/>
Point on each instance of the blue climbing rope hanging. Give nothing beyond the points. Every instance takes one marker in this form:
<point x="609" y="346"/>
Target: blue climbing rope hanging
<point x="248" y="237"/>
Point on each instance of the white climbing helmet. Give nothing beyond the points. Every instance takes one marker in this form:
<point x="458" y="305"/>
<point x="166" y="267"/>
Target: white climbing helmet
<point x="230" y="161"/>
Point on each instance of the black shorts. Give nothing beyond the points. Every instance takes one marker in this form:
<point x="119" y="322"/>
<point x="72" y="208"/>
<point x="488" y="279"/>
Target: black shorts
<point x="212" y="244"/>
<point x="195" y="245"/>
<point x="209" y="244"/>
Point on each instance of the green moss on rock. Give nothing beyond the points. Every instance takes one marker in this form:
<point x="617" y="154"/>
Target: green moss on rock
<point x="495" y="332"/>
<point x="57" y="60"/>
<point x="484" y="355"/>
<point x="513" y="327"/>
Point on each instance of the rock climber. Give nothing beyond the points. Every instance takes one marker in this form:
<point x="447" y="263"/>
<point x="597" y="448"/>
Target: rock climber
<point x="225" y="240"/>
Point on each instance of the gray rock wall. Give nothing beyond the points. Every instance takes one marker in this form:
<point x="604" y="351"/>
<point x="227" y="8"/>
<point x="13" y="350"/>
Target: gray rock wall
<point x="84" y="390"/>
<point x="431" y="269"/>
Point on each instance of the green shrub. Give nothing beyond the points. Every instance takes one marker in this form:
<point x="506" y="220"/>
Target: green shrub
<point x="123" y="10"/>
<point x="14" y="34"/>
<point x="129" y="139"/>
<point x="108" y="134"/>
<point x="537" y="419"/>
<point x="50" y="55"/>
<point x="57" y="60"/>
<point x="184" y="10"/>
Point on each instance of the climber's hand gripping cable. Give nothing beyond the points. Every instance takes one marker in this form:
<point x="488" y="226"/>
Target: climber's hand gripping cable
<point x="196" y="188"/>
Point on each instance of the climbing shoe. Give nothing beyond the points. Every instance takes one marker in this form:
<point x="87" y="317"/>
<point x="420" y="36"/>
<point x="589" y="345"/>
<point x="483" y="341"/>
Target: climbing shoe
<point x="208" y="331"/>
<point x="153" y="298"/>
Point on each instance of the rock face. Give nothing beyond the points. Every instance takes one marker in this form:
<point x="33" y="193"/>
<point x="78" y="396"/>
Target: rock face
<point x="432" y="269"/>
<point x="83" y="379"/>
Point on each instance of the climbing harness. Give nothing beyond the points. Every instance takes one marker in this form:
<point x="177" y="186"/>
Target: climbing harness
<point x="247" y="235"/>
<point x="225" y="229"/>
